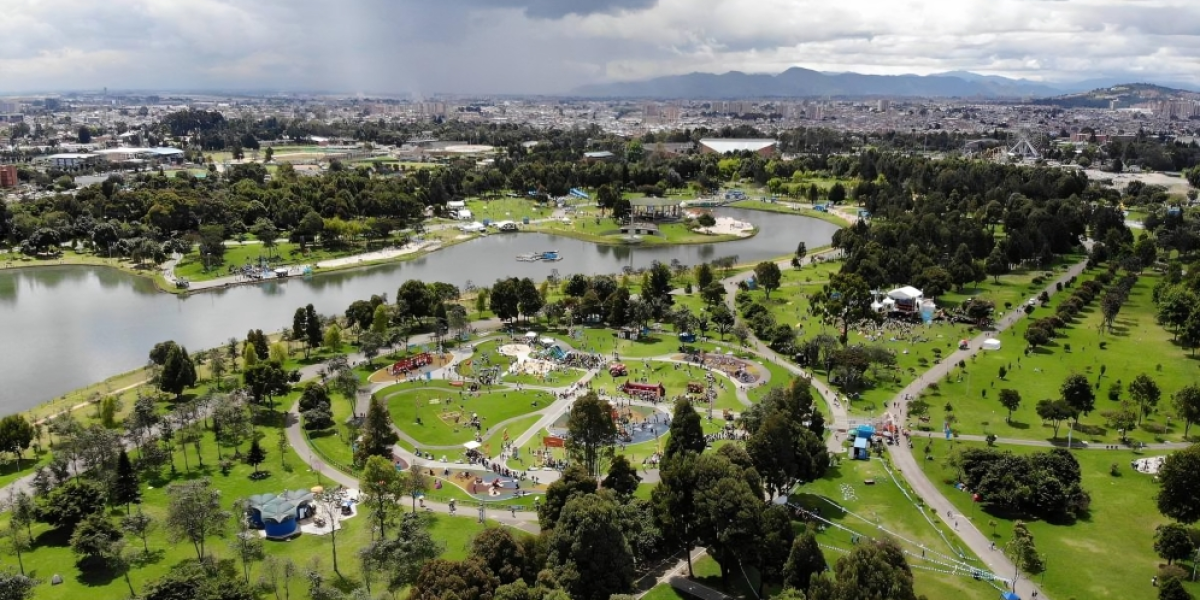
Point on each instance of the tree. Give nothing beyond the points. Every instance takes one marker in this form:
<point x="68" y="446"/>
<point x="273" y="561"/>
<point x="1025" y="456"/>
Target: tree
<point x="591" y="432"/>
<point x="1173" y="542"/>
<point x="14" y="586"/>
<point x="377" y="435"/>
<point x="599" y="568"/>
<point x="723" y="319"/>
<point x="529" y="300"/>
<point x="728" y="513"/>
<point x="441" y="579"/>
<point x="622" y="477"/>
<point x="686" y="433"/>
<point x="370" y="343"/>
<point x="804" y="561"/>
<point x="704" y="276"/>
<point x="402" y="557"/>
<point x="178" y="372"/>
<point x="1078" y="393"/>
<point x="801" y="252"/>
<point x="778" y="537"/>
<point x="1055" y="411"/>
<point x="265" y="381"/>
<point x="92" y="541"/>
<point x="313" y="332"/>
<point x="874" y="569"/>
<point x="1010" y="399"/>
<point x="1145" y="393"/>
<point x="84" y="135"/>
<point x="383" y="488"/>
<point x="194" y="513"/>
<point x="1022" y="551"/>
<point x="139" y="525"/>
<point x="256" y="455"/>
<point x="19" y="542"/>
<point x="125" y="489"/>
<point x="575" y="481"/>
<point x="1179" y="494"/>
<point x="503" y="556"/>
<point x="996" y="263"/>
<point x="71" y="503"/>
<point x="16" y="434"/>
<point x="768" y="276"/>
<point x="245" y="542"/>
<point x="1187" y="406"/>
<point x="1172" y="588"/>
<point x="713" y="294"/>
<point x="332" y="338"/>
<point x="845" y="299"/>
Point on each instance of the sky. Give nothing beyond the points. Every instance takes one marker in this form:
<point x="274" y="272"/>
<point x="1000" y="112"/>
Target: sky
<point x="426" y="47"/>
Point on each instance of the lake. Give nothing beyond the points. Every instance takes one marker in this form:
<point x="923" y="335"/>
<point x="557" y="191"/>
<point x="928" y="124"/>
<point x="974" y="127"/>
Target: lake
<point x="62" y="328"/>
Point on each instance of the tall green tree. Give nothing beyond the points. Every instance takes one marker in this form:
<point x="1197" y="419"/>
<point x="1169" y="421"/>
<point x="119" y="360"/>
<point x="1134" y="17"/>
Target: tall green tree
<point x="255" y="455"/>
<point x="845" y="299"/>
<point x="178" y="372"/>
<point x="1179" y="492"/>
<point x="575" y="481"/>
<point x="622" y="477"/>
<point x="1187" y="406"/>
<point x="125" y="487"/>
<point x="874" y="569"/>
<point x="377" y="437"/>
<point x="686" y="433"/>
<point x="1146" y="393"/>
<point x="1173" y="542"/>
<point x="1010" y="399"/>
<point x="599" y="568"/>
<point x="1078" y="393"/>
<point x="194" y="513"/>
<point x="768" y="276"/>
<point x="805" y="560"/>
<point x="592" y="433"/>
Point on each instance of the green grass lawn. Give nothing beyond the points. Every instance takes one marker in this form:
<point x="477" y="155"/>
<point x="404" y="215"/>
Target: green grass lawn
<point x="508" y="209"/>
<point x="52" y="554"/>
<point x="791" y="305"/>
<point x="438" y="426"/>
<point x="884" y="505"/>
<point x="1137" y="345"/>
<point x="286" y="253"/>
<point x="1107" y="554"/>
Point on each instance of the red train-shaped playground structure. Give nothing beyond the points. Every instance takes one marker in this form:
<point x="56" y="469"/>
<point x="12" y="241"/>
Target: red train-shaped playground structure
<point x="406" y="365"/>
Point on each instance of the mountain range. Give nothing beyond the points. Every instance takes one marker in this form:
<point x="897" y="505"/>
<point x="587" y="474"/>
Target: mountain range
<point x="798" y="82"/>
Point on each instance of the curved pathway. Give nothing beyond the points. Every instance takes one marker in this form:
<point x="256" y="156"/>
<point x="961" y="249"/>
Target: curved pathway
<point x="906" y="463"/>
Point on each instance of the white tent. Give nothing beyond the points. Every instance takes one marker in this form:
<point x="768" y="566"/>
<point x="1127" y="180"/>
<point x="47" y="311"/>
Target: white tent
<point x="907" y="292"/>
<point x="546" y="341"/>
<point x="991" y="344"/>
<point x="531" y="335"/>
<point x="456" y="204"/>
<point x="475" y="227"/>
<point x="471" y="445"/>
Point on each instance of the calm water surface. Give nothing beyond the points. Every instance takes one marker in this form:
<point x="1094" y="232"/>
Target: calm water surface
<point x="62" y="328"/>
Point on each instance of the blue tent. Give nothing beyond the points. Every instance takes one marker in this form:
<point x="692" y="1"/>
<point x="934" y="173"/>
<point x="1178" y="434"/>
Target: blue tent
<point x="578" y="193"/>
<point x="1009" y="596"/>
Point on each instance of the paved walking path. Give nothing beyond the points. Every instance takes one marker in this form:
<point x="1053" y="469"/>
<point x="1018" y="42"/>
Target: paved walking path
<point x="905" y="461"/>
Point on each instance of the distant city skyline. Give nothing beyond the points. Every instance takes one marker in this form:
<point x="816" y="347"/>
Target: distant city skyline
<point x="554" y="46"/>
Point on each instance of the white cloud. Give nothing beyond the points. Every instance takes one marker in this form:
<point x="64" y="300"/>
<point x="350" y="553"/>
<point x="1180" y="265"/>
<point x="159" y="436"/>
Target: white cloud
<point x="555" y="45"/>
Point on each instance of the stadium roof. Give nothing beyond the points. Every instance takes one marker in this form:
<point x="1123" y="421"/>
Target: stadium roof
<point x="722" y="146"/>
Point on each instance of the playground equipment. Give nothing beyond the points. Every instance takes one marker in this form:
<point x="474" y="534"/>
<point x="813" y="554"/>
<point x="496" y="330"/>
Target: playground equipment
<point x="644" y="389"/>
<point x="618" y="370"/>
<point x="406" y="365"/>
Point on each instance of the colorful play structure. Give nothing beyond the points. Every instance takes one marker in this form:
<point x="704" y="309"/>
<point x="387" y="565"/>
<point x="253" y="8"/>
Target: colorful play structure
<point x="406" y="365"/>
<point x="641" y="389"/>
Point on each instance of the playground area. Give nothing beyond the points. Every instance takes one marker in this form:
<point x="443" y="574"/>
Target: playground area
<point x="737" y="369"/>
<point x="410" y="367"/>
<point x="635" y="424"/>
